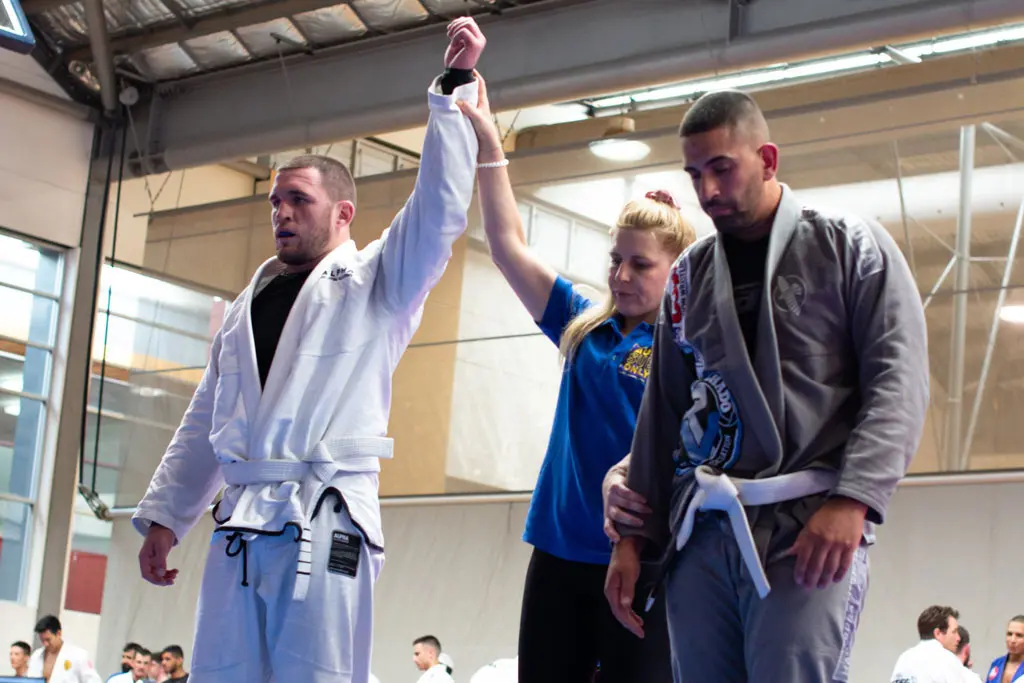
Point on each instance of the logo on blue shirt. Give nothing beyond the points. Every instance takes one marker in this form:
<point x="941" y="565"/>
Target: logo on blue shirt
<point x="637" y="363"/>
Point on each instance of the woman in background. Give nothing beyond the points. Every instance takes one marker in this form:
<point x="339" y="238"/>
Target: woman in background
<point x="567" y="631"/>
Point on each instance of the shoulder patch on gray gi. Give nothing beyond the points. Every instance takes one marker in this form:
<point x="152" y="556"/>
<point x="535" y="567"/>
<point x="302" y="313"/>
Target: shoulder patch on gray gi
<point x="789" y="293"/>
<point x="679" y="291"/>
<point x="864" y="247"/>
<point x="711" y="429"/>
<point x="851" y="617"/>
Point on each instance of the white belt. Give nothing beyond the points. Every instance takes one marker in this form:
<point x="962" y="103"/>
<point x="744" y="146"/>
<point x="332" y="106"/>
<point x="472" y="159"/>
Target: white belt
<point x="716" y="491"/>
<point x="329" y="457"/>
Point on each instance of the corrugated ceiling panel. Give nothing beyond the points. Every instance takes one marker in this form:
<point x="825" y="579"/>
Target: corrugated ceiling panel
<point x="65" y="25"/>
<point x="125" y="15"/>
<point x="330" y="24"/>
<point x="165" y="61"/>
<point x="388" y="15"/>
<point x="453" y="8"/>
<point x="201" y="7"/>
<point x="261" y="43"/>
<point x="217" y="50"/>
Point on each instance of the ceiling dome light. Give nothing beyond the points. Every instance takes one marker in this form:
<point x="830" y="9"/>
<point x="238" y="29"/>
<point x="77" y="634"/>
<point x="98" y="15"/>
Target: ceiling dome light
<point x="1012" y="314"/>
<point x="620" y="149"/>
<point x="615" y="148"/>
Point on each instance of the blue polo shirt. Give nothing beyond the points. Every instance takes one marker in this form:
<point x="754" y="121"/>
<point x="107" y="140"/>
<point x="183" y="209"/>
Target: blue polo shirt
<point x="593" y="429"/>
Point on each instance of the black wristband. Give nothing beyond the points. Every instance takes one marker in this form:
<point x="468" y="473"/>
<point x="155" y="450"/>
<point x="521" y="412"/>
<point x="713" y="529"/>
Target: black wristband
<point x="453" y="78"/>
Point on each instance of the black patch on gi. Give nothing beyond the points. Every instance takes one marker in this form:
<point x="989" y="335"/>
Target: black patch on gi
<point x="344" y="558"/>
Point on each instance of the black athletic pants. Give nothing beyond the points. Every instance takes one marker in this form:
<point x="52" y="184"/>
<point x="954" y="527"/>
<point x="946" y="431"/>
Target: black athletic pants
<point x="567" y="630"/>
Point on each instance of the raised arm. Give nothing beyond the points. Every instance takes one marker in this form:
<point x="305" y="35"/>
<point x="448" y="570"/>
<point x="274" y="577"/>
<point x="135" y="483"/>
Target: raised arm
<point x="530" y="278"/>
<point x="419" y="242"/>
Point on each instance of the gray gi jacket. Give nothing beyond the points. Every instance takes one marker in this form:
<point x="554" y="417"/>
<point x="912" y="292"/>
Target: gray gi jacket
<point x="840" y="379"/>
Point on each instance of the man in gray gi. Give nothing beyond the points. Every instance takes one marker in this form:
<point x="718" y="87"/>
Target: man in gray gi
<point x="787" y="395"/>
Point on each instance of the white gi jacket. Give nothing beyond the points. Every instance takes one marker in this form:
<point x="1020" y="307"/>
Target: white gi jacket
<point x="436" y="674"/>
<point x="322" y="416"/>
<point x="72" y="666"/>
<point x="929" y="662"/>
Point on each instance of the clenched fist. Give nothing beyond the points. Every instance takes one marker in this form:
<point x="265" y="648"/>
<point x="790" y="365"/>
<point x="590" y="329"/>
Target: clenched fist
<point x="466" y="44"/>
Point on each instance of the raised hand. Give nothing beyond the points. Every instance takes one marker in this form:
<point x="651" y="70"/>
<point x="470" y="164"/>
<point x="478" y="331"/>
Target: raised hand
<point x="153" y="556"/>
<point x="466" y="44"/>
<point x="483" y="123"/>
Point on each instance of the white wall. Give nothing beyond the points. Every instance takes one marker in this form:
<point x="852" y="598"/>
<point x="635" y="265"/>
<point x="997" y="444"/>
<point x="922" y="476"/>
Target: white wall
<point x="44" y="167"/>
<point x="25" y="70"/>
<point x="504" y="393"/>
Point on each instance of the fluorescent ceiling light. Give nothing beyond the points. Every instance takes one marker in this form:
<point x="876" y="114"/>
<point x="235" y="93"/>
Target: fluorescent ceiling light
<point x="620" y="149"/>
<point x="891" y="54"/>
<point x="1012" y="314"/>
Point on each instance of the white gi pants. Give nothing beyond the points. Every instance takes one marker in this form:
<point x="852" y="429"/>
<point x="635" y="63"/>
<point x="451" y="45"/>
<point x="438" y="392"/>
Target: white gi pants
<point x="258" y="633"/>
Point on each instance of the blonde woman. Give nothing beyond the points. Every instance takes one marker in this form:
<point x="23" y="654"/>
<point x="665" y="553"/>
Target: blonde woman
<point x="567" y="631"/>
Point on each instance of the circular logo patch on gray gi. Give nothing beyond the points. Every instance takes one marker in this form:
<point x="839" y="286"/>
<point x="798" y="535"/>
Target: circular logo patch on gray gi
<point x="711" y="429"/>
<point x="789" y="294"/>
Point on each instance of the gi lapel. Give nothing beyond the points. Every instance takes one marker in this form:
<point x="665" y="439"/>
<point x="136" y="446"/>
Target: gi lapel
<point x="767" y="365"/>
<point x="248" y="366"/>
<point x="288" y="344"/>
<point x="736" y="367"/>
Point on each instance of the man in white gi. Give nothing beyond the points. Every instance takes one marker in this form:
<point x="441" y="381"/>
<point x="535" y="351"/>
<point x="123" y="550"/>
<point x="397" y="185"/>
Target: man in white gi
<point x="786" y="397"/>
<point x="934" y="659"/>
<point x="292" y="412"/>
<point x="58" y="661"/>
<point x="428" y="658"/>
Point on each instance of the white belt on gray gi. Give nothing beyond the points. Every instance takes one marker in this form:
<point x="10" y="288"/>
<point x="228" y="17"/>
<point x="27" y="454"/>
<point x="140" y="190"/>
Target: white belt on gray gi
<point x="329" y="457"/>
<point x="716" y="491"/>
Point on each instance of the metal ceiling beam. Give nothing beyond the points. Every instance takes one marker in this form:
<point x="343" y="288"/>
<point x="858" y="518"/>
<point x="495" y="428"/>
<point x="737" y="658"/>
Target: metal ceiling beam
<point x="377" y="84"/>
<point x="100" y="44"/>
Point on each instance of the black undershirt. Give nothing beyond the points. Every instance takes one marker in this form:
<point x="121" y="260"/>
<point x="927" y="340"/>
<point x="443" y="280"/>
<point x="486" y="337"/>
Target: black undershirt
<point x="270" y="308"/>
<point x="747" y="262"/>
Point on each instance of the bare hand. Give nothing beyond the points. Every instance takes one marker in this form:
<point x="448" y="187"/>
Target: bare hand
<point x="480" y="116"/>
<point x="620" y="584"/>
<point x="619" y="502"/>
<point x="153" y="556"/>
<point x="466" y="44"/>
<point x="825" y="547"/>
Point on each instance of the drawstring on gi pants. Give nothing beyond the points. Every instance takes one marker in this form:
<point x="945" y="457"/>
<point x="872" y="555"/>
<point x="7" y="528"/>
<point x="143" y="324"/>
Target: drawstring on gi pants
<point x="243" y="548"/>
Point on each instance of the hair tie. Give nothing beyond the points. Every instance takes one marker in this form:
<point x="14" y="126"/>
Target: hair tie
<point x="662" y="197"/>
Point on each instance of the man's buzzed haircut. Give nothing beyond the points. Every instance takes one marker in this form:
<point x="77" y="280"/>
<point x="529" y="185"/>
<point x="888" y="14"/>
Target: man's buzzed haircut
<point x="429" y="641"/>
<point x="721" y="109"/>
<point x="334" y="175"/>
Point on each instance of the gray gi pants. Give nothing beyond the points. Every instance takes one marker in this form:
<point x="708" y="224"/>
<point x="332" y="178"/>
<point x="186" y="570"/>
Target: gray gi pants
<point x="722" y="631"/>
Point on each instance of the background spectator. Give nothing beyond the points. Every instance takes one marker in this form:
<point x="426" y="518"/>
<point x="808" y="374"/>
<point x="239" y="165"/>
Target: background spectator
<point x="20" y="652"/>
<point x="173" y="661"/>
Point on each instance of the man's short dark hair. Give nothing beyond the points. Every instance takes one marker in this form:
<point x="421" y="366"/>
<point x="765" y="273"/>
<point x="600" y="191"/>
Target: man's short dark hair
<point x="1019" y="619"/>
<point x="143" y="651"/>
<point x="23" y="646"/>
<point x="334" y="175"/>
<point x="720" y="109"/>
<point x="935" y="617"/>
<point x="130" y="647"/>
<point x="48" y="623"/>
<point x="965" y="638"/>
<point x="428" y="640"/>
<point x="174" y="651"/>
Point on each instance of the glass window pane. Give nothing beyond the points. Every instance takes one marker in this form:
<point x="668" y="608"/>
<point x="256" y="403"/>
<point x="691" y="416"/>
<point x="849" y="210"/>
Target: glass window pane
<point x="26" y="316"/>
<point x="15" y="532"/>
<point x="550" y="238"/>
<point x="372" y="161"/>
<point x="24" y="368"/>
<point x="589" y="257"/>
<point x="26" y="265"/>
<point x="21" y="439"/>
